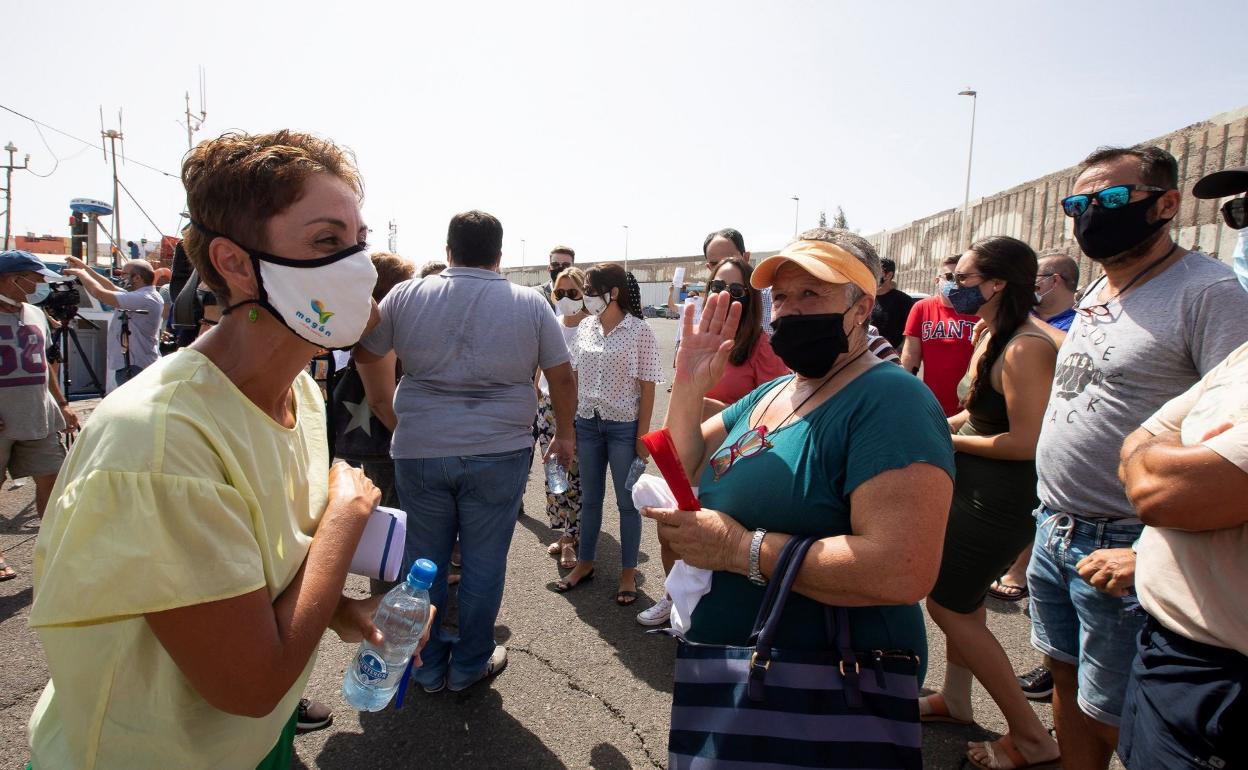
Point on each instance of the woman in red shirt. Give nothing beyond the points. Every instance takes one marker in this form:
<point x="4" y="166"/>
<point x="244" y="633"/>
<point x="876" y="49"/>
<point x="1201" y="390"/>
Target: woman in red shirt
<point x="751" y="363"/>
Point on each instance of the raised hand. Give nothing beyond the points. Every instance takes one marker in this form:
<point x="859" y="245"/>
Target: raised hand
<point x="704" y="349"/>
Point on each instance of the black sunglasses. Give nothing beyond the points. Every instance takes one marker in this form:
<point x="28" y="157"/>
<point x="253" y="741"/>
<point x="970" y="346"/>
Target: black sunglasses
<point x="1235" y="212"/>
<point x="567" y="293"/>
<point x="1110" y="198"/>
<point x="735" y="290"/>
<point x="560" y="265"/>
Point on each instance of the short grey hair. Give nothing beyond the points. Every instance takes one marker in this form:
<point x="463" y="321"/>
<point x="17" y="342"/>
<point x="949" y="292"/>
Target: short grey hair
<point x="855" y="244"/>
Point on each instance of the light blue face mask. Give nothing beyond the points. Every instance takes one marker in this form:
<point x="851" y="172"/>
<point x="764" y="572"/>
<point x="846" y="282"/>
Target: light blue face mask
<point x="1239" y="258"/>
<point x="41" y="292"/>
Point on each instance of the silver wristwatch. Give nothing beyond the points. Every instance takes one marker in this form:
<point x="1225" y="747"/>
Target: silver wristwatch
<point x="756" y="547"/>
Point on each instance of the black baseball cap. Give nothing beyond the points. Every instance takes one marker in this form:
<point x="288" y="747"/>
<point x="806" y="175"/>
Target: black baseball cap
<point x="1219" y="184"/>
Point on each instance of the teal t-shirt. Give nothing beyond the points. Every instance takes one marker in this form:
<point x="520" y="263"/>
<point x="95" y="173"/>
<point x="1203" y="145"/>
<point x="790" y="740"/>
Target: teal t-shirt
<point x="884" y="419"/>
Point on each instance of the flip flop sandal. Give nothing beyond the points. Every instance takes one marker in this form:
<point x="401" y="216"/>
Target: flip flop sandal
<point x="1006" y="743"/>
<point x="940" y="711"/>
<point x="563" y="586"/>
<point x="625" y="598"/>
<point x="1006" y="592"/>
<point x="554" y="548"/>
<point x="6" y="572"/>
<point x="568" y="559"/>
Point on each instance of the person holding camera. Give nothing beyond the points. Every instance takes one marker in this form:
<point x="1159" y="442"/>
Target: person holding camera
<point x="134" y="329"/>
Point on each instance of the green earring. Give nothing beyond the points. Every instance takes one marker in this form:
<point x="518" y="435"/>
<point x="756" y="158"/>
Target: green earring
<point x="252" y="315"/>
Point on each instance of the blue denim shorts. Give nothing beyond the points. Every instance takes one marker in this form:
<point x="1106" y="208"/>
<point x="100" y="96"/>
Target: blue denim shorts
<point x="1074" y="623"/>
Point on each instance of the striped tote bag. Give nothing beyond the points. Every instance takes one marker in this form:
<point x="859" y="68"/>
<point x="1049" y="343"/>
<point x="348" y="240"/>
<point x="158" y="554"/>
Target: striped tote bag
<point x="760" y="708"/>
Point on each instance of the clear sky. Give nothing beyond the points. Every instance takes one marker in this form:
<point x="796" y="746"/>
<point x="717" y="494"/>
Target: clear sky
<point x="569" y="120"/>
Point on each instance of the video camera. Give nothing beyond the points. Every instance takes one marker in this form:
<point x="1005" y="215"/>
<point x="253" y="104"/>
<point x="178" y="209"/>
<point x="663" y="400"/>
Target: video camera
<point x="63" y="300"/>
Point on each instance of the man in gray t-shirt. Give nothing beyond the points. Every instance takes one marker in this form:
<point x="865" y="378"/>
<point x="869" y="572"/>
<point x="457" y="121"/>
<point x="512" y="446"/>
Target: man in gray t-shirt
<point x="469" y="343"/>
<point x="1146" y="331"/>
<point x="138" y="310"/>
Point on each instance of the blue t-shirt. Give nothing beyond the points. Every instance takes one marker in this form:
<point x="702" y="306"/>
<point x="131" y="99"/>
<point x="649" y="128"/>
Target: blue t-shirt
<point x="1062" y="320"/>
<point x="883" y="419"/>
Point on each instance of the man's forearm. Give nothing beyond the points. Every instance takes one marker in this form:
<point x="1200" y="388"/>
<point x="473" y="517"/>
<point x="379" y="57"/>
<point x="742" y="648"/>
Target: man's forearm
<point x="563" y="400"/>
<point x="1189" y="488"/>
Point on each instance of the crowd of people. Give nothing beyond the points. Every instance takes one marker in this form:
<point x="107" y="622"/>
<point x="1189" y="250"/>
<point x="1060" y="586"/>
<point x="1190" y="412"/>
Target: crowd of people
<point x="1084" y="448"/>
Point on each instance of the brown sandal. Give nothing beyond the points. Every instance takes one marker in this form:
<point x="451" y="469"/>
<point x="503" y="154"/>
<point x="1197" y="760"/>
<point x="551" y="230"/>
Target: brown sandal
<point x="568" y="558"/>
<point x="939" y="711"/>
<point x="1006" y="743"/>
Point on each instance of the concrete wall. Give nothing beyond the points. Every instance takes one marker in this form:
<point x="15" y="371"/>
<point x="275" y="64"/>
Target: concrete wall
<point x="1032" y="212"/>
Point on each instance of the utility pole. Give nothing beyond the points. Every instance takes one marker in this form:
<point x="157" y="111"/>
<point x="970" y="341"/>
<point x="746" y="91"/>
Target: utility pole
<point x="194" y="122"/>
<point x="626" y="248"/>
<point x="797" y="204"/>
<point x="392" y="242"/>
<point x="112" y="137"/>
<point x="8" y="191"/>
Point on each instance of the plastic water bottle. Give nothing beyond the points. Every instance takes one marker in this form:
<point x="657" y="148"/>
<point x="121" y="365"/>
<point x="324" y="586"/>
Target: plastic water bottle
<point x="634" y="472"/>
<point x="375" y="672"/>
<point x="556" y="477"/>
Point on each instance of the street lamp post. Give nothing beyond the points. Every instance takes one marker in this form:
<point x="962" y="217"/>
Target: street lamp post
<point x="626" y="248"/>
<point x="521" y="252"/>
<point x="966" y="198"/>
<point x="797" y="203"/>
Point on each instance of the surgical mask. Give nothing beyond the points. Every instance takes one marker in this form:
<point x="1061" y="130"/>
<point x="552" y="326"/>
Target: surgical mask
<point x="596" y="305"/>
<point x="1040" y="295"/>
<point x="36" y="295"/>
<point x="1105" y="233"/>
<point x="569" y="306"/>
<point x="1239" y="259"/>
<point x="966" y="300"/>
<point x="810" y="344"/>
<point x="326" y="301"/>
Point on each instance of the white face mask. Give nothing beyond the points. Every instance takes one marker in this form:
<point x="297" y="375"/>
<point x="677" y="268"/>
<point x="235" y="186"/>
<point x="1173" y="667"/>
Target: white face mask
<point x="325" y="301"/>
<point x="595" y="305"/>
<point x="569" y="306"/>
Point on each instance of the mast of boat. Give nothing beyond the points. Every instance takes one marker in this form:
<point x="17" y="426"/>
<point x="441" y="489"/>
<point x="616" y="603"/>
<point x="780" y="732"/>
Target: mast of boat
<point x="113" y="136"/>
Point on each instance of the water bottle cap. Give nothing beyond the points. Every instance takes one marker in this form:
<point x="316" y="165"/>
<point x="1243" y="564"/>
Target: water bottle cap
<point x="422" y="573"/>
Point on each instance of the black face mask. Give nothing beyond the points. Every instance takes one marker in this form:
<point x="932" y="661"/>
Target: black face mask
<point x="1104" y="234"/>
<point x="810" y="344"/>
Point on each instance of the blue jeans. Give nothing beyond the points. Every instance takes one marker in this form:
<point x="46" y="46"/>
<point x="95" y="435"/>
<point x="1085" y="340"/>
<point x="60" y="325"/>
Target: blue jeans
<point x="600" y="443"/>
<point x="475" y="497"/>
<point x="1076" y="624"/>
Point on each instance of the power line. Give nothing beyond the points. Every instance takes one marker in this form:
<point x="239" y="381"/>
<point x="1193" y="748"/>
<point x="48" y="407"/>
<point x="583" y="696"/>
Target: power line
<point x="136" y="202"/>
<point x="84" y="141"/>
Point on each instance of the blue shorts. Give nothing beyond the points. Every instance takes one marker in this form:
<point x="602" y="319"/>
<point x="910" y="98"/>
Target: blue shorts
<point x="1076" y="624"/>
<point x="1187" y="704"/>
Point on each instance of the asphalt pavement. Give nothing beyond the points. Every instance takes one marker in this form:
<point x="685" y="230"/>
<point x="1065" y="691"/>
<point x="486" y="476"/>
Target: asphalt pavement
<point x="586" y="686"/>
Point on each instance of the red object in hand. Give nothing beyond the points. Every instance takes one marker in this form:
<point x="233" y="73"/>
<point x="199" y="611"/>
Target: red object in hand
<point x="659" y="442"/>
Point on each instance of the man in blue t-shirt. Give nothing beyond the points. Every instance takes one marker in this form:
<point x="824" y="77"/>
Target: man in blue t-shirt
<point x="1057" y="277"/>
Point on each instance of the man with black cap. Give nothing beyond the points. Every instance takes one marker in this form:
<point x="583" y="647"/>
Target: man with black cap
<point x="1220" y="184"/>
<point x="32" y="409"/>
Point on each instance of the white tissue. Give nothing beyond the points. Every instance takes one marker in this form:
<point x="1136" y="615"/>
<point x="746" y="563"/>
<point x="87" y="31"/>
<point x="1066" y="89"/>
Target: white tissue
<point x="686" y="585"/>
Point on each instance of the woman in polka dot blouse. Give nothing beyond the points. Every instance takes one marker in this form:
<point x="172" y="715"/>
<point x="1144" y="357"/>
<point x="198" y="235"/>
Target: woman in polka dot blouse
<point x="616" y="358"/>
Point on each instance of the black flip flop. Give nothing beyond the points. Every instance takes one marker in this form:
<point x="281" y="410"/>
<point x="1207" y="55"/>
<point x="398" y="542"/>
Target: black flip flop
<point x="631" y="596"/>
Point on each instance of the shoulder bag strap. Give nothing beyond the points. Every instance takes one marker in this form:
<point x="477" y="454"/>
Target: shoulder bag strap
<point x="760" y="661"/>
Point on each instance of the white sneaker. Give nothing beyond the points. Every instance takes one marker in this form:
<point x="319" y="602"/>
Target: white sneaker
<point x="658" y="614"/>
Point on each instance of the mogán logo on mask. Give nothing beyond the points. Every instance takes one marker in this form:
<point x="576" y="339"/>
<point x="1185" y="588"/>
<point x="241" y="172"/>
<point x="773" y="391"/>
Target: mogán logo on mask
<point x="316" y="322"/>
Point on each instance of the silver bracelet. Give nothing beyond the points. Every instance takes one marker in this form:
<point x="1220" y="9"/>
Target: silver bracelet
<point x="756" y="547"/>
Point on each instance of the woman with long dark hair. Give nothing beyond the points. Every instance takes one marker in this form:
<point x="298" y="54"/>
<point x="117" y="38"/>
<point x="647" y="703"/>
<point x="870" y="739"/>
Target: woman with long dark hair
<point x="751" y="362"/>
<point x="1004" y="394"/>
<point x="616" y="357"/>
